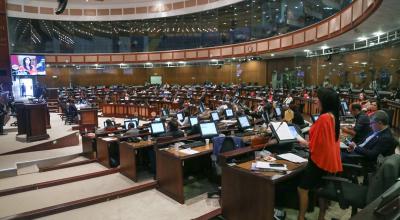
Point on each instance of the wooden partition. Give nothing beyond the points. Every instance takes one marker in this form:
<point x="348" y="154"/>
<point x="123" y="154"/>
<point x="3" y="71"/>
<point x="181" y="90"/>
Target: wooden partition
<point x="128" y="110"/>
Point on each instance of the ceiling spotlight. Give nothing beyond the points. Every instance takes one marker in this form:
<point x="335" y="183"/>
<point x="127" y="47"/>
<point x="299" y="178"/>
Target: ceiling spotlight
<point x="272" y="54"/>
<point x="378" y="33"/>
<point x="324" y="47"/>
<point x="362" y="39"/>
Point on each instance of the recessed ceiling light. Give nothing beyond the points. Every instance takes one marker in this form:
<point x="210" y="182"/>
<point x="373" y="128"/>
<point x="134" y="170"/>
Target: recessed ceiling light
<point x="306" y="50"/>
<point x="272" y="54"/>
<point x="324" y="47"/>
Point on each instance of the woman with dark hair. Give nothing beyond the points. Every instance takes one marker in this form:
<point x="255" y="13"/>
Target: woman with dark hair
<point x="27" y="65"/>
<point x="324" y="147"/>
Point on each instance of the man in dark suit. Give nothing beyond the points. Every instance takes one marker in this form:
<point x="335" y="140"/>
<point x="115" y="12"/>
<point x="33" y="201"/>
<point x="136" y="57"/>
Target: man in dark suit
<point x="361" y="129"/>
<point x="381" y="141"/>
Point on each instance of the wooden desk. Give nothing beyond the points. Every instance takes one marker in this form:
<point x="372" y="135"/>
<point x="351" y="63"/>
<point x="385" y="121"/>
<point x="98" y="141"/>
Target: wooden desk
<point x="251" y="195"/>
<point x="103" y="154"/>
<point x="128" y="157"/>
<point x="170" y="164"/>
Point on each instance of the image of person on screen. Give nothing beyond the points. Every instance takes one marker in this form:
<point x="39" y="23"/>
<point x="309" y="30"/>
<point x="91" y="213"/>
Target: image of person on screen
<point x="27" y="66"/>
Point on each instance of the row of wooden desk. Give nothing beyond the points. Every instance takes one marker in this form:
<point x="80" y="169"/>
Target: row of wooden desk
<point x="245" y="194"/>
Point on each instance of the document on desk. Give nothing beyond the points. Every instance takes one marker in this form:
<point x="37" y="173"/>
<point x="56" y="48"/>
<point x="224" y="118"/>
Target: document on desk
<point x="260" y="165"/>
<point x="110" y="139"/>
<point x="343" y="145"/>
<point x="292" y="158"/>
<point x="188" y="151"/>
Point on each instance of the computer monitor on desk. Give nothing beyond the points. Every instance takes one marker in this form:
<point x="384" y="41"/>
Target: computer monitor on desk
<point x="164" y="112"/>
<point x="180" y="116"/>
<point x="157" y="128"/>
<point x="214" y="116"/>
<point x="282" y="132"/>
<point x="126" y="124"/>
<point x="278" y="112"/>
<point x="193" y="120"/>
<point x="208" y="130"/>
<point x="201" y="107"/>
<point x="228" y="113"/>
<point x="344" y="108"/>
<point x="243" y="122"/>
<point x="265" y="117"/>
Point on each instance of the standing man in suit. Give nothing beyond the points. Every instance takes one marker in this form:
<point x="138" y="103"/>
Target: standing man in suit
<point x="381" y="141"/>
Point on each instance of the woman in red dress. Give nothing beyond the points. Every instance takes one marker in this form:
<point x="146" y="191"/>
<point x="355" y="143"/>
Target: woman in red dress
<point x="324" y="147"/>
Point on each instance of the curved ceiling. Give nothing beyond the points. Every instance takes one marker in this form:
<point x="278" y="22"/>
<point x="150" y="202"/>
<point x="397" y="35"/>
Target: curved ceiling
<point x="111" y="10"/>
<point x="385" y="19"/>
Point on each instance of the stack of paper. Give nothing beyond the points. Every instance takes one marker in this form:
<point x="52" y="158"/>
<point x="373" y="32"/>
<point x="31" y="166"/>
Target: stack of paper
<point x="292" y="158"/>
<point x="266" y="165"/>
<point x="189" y="151"/>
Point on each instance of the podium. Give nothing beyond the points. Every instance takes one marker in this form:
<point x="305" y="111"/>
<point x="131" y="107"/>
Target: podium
<point x="88" y="119"/>
<point x="33" y="120"/>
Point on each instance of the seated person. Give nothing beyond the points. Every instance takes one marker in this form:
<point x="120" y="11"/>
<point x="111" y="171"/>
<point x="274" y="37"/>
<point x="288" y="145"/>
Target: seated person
<point x="205" y="115"/>
<point x="361" y="129"/>
<point x="185" y="121"/>
<point x="131" y="129"/>
<point x="288" y="115"/>
<point x="372" y="108"/>
<point x="173" y="129"/>
<point x="109" y="127"/>
<point x="381" y="141"/>
<point x="297" y="117"/>
<point x="194" y="130"/>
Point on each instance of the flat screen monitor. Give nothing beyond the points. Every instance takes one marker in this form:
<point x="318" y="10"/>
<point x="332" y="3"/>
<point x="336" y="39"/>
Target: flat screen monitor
<point x="193" y="120"/>
<point x="208" y="130"/>
<point x="344" y="106"/>
<point x="157" y="128"/>
<point x="164" y="112"/>
<point x="229" y="113"/>
<point x="282" y="132"/>
<point x="293" y="131"/>
<point x="180" y="116"/>
<point x="136" y="120"/>
<point x="243" y="122"/>
<point x="314" y="118"/>
<point x="126" y="124"/>
<point x="25" y="65"/>
<point x="278" y="112"/>
<point x="201" y="107"/>
<point x="265" y="117"/>
<point x="214" y="116"/>
<point x="157" y="119"/>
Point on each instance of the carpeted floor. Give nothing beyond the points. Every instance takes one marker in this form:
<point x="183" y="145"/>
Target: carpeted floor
<point x="46" y="197"/>
<point x="23" y="180"/>
<point x="147" y="205"/>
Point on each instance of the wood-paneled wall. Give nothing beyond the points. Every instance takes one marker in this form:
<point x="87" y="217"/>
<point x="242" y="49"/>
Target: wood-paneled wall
<point x="254" y="71"/>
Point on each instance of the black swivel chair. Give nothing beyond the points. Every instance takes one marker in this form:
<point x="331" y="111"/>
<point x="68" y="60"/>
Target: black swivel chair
<point x="228" y="144"/>
<point x="348" y="193"/>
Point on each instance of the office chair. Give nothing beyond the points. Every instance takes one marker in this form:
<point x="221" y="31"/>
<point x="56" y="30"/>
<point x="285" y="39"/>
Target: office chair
<point x="390" y="113"/>
<point x="366" y="165"/>
<point x="222" y="145"/>
<point x="348" y="193"/>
